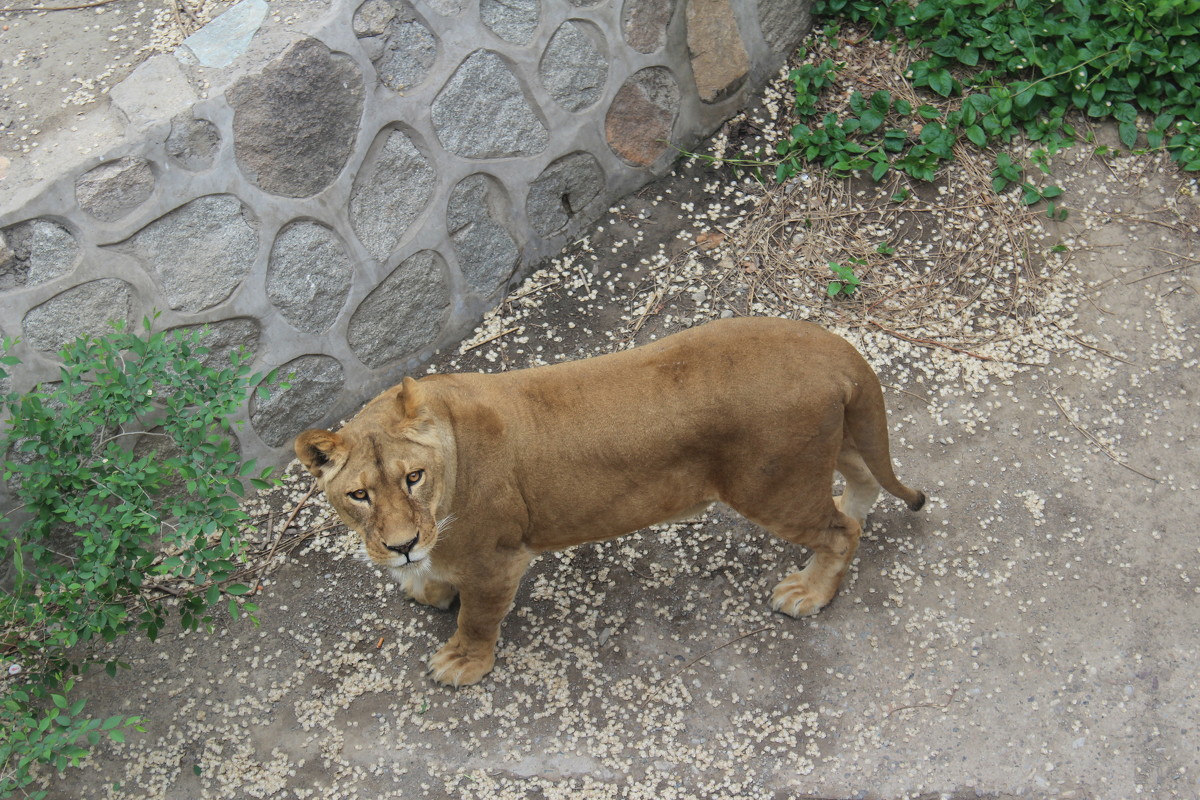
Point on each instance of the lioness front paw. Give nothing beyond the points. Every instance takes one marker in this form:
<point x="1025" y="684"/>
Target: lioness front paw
<point x="796" y="597"/>
<point x="457" y="665"/>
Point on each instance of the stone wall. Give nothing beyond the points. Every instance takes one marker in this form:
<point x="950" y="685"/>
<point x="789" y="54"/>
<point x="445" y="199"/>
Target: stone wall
<point x="346" y="189"/>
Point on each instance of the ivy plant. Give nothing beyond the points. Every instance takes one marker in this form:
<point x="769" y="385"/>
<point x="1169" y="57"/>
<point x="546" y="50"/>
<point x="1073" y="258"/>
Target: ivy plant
<point x="1020" y="65"/>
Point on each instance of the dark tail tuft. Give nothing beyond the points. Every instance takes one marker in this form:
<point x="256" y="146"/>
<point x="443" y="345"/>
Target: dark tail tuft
<point x="919" y="503"/>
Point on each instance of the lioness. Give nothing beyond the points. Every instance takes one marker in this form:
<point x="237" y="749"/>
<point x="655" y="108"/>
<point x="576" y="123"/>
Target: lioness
<point x="456" y="481"/>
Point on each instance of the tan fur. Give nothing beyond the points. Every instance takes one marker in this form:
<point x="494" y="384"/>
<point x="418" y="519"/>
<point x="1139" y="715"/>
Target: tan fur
<point x="756" y="413"/>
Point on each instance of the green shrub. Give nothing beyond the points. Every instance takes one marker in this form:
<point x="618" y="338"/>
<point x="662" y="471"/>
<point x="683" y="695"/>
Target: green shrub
<point x="111" y="530"/>
<point x="1008" y="67"/>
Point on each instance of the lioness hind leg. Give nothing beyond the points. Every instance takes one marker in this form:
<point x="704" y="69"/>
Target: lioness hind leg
<point x="809" y="590"/>
<point x="861" y="487"/>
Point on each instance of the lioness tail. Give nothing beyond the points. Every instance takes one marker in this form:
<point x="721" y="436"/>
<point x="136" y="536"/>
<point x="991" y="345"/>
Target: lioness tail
<point x="866" y="420"/>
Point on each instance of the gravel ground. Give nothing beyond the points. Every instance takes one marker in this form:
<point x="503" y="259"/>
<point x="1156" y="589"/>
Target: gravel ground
<point x="1034" y="633"/>
<point x="59" y="59"/>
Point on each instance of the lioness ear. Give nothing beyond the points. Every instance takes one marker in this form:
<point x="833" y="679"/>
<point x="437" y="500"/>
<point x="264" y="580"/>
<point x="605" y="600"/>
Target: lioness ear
<point x="411" y="398"/>
<point x="316" y="449"/>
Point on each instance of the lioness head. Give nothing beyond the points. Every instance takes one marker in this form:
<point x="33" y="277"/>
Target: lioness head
<point x="386" y="474"/>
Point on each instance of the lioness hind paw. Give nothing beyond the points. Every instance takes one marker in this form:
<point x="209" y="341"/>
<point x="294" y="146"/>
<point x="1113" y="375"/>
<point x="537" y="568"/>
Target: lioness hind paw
<point x="794" y="597"/>
<point x="452" y="667"/>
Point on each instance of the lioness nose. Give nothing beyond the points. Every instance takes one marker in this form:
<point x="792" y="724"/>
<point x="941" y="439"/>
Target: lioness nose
<point x="403" y="549"/>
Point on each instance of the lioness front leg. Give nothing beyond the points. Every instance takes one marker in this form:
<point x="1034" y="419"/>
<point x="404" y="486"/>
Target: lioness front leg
<point x="471" y="651"/>
<point x="425" y="589"/>
<point x="809" y="590"/>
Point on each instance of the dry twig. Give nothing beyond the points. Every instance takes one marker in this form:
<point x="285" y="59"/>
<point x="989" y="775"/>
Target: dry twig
<point x="1103" y="448"/>
<point x="30" y="9"/>
<point x="942" y="706"/>
<point x="700" y="658"/>
<point x="491" y="338"/>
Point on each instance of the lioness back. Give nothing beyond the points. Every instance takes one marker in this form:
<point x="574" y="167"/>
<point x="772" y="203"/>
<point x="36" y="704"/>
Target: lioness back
<point x="604" y="446"/>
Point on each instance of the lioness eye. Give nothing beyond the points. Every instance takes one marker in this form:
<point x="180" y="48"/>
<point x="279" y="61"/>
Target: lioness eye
<point x="414" y="477"/>
<point x="358" y="494"/>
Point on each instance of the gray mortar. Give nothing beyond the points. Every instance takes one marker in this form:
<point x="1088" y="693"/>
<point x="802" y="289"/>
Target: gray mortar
<point x="350" y="186"/>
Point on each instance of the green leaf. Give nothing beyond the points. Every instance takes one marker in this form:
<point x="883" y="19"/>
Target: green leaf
<point x="237" y="589"/>
<point x="942" y="82"/>
<point x="1125" y="112"/>
<point x="977" y="136"/>
<point x="1077" y="9"/>
<point x="871" y="119"/>
<point x="1128" y="133"/>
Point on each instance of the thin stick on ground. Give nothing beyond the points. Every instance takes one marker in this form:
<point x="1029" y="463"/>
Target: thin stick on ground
<point x="929" y="342"/>
<point x="534" y="290"/>
<point x="266" y="563"/>
<point x="1082" y="343"/>
<point x="32" y="9"/>
<point x="700" y="658"/>
<point x="1103" y="448"/>
<point x="303" y="502"/>
<point x="910" y="394"/>
<point x="941" y="706"/>
<point x="491" y="338"/>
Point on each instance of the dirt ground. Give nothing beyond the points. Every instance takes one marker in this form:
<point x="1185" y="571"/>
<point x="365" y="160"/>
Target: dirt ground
<point x="1033" y="633"/>
<point x="56" y="65"/>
